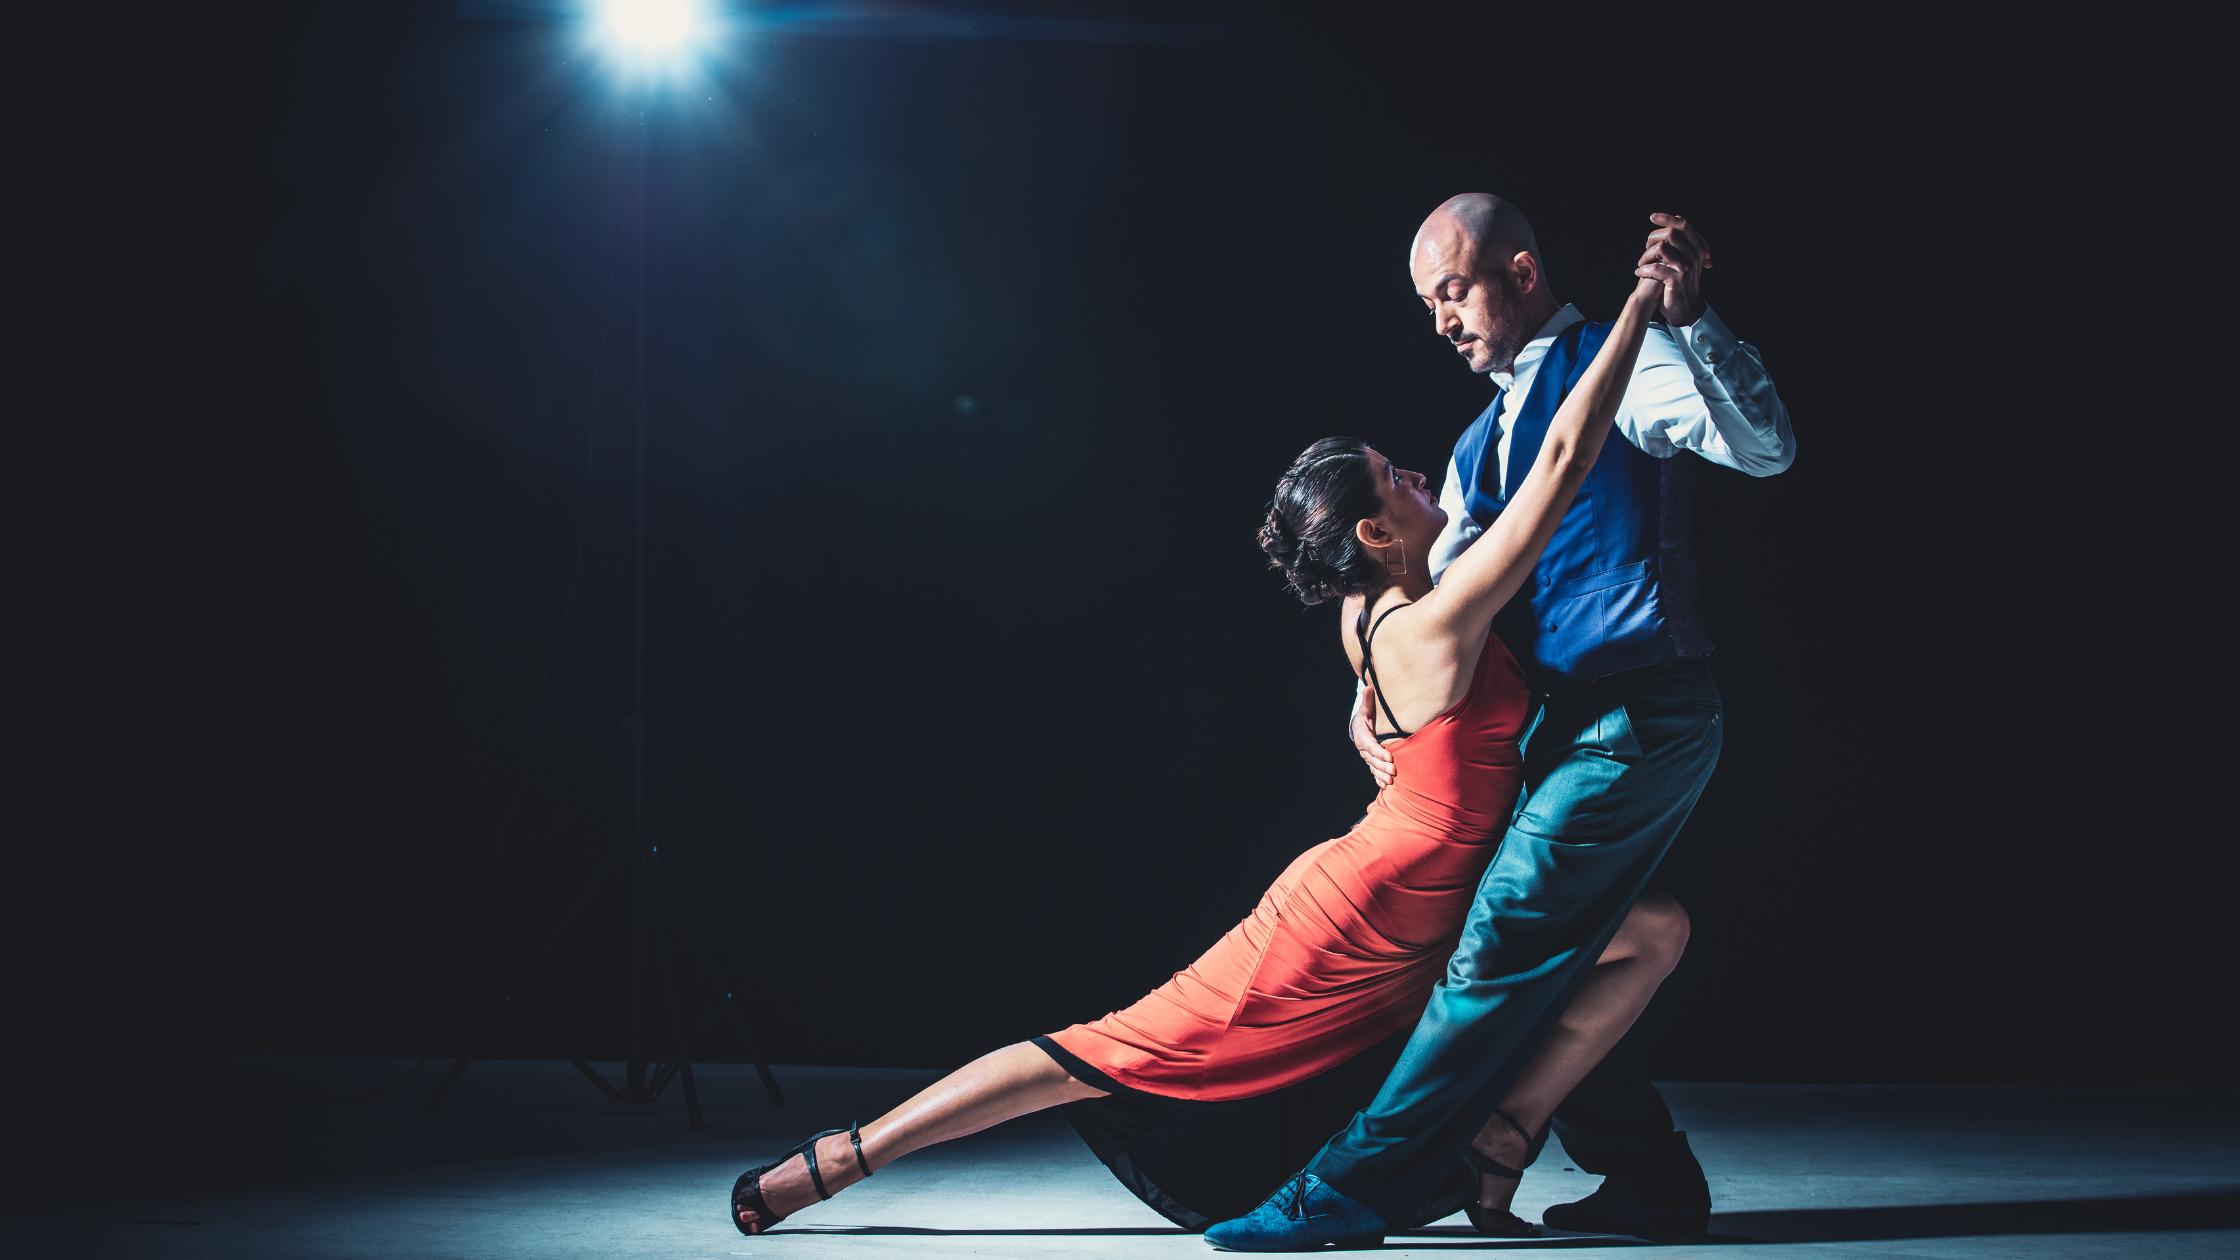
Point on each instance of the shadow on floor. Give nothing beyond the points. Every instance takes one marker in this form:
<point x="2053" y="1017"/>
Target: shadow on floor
<point x="1459" y="1236"/>
<point x="2205" y="1209"/>
<point x="1114" y="1231"/>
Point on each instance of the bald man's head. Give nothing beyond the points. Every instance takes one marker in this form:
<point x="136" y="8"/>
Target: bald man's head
<point x="1476" y="265"/>
<point x="1485" y="222"/>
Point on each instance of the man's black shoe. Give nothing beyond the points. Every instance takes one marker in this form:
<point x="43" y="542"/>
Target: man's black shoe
<point x="1620" y="1207"/>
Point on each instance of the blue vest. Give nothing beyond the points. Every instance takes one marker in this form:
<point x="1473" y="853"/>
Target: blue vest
<point x="1616" y="588"/>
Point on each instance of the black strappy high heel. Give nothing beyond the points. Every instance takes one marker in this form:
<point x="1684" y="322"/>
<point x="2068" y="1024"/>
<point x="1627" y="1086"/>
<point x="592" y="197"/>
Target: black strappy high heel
<point x="1501" y="1222"/>
<point x="746" y="1192"/>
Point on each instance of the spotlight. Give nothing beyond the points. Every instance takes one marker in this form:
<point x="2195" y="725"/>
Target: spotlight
<point x="653" y="47"/>
<point x="650" y="34"/>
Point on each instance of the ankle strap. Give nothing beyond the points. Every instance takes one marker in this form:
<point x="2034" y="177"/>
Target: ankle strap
<point x="809" y="1156"/>
<point x="1532" y="1146"/>
<point x="1514" y="1127"/>
<point x="855" y="1139"/>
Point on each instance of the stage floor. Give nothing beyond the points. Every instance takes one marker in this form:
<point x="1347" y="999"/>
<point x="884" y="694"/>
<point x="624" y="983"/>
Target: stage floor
<point x="527" y="1161"/>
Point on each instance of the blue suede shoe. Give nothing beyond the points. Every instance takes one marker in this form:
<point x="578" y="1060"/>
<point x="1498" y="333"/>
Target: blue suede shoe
<point x="1307" y="1214"/>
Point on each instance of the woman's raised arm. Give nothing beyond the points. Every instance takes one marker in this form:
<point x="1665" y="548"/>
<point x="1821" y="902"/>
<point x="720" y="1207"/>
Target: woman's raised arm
<point x="1482" y="580"/>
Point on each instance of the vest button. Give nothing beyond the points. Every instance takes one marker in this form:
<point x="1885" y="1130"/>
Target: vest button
<point x="1551" y="627"/>
<point x="1545" y="580"/>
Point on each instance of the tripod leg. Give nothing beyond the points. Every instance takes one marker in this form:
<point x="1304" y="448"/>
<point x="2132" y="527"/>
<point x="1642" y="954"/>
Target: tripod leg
<point x="669" y="989"/>
<point x="769" y="1082"/>
<point x="746" y="1029"/>
<point x="591" y="1074"/>
<point x="691" y="1094"/>
<point x="459" y="1065"/>
<point x="450" y="1077"/>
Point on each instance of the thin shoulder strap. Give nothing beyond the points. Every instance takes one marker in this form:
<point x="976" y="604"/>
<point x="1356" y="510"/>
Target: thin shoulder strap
<point x="1368" y="670"/>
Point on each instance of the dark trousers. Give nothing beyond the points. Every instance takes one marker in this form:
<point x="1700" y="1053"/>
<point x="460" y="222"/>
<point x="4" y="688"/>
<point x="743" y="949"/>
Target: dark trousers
<point x="1611" y="773"/>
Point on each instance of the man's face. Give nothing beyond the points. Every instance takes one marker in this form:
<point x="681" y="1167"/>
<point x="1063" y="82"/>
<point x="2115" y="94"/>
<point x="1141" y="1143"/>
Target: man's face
<point x="1475" y="301"/>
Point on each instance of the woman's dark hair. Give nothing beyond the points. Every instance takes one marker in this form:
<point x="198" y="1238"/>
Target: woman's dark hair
<point x="1309" y="531"/>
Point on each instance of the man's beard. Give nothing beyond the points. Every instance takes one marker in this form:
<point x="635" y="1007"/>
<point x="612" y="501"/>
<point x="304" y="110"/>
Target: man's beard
<point x="1497" y="352"/>
<point x="1504" y="341"/>
<point x="1501" y="350"/>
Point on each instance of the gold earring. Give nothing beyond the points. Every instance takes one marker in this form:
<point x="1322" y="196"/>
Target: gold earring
<point x="1389" y="571"/>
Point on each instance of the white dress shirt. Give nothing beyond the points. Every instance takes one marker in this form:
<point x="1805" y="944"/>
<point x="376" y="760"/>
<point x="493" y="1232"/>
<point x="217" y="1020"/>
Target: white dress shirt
<point x="1694" y="388"/>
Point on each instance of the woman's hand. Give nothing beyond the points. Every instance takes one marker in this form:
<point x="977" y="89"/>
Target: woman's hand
<point x="1657" y="279"/>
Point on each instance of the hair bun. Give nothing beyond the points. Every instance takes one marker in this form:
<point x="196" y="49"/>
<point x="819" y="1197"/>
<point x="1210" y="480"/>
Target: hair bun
<point x="1277" y="540"/>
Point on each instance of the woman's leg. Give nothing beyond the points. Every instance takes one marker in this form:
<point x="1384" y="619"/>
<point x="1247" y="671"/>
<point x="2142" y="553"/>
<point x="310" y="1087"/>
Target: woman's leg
<point x="1644" y="951"/>
<point x="1014" y="1081"/>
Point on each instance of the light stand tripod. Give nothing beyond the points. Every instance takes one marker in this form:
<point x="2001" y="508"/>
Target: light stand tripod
<point x="644" y="1080"/>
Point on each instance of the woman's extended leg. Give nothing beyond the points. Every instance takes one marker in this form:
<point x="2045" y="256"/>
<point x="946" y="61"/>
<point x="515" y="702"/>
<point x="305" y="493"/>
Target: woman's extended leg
<point x="1014" y="1081"/>
<point x="1646" y="948"/>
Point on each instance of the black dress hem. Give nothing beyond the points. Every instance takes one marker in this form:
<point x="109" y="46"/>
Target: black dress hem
<point x="1197" y="1162"/>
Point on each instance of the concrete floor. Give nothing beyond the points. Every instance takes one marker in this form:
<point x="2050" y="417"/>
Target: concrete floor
<point x="528" y="1162"/>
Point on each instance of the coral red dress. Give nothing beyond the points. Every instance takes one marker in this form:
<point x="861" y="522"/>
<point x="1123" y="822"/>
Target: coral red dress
<point x="1335" y="963"/>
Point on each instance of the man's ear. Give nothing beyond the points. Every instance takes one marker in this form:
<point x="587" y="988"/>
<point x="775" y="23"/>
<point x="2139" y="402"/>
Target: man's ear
<point x="1526" y="269"/>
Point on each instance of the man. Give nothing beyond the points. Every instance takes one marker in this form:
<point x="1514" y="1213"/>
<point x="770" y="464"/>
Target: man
<point x="1611" y="629"/>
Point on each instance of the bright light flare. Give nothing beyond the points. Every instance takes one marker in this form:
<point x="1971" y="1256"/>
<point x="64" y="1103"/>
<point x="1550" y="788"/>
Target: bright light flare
<point x="650" y="34"/>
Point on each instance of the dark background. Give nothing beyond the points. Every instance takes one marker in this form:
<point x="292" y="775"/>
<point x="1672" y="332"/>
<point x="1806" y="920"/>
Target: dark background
<point x="975" y="344"/>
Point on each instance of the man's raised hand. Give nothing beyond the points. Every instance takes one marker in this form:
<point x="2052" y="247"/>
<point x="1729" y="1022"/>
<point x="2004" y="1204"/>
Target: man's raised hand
<point x="1677" y="245"/>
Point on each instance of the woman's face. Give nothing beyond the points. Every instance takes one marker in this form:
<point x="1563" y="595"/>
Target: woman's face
<point x="1410" y="510"/>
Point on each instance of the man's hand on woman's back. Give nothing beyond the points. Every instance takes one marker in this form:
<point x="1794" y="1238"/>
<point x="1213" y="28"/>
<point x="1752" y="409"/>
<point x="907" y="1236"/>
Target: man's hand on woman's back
<point x="1365" y="739"/>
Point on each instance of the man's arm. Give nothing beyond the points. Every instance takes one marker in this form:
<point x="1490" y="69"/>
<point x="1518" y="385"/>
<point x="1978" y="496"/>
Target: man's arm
<point x="1699" y="389"/>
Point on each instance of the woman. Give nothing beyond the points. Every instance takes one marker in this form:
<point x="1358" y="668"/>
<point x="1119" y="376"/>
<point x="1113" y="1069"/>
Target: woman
<point x="1202" y="1096"/>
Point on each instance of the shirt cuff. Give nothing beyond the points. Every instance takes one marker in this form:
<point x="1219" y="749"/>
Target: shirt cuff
<point x="1708" y="340"/>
